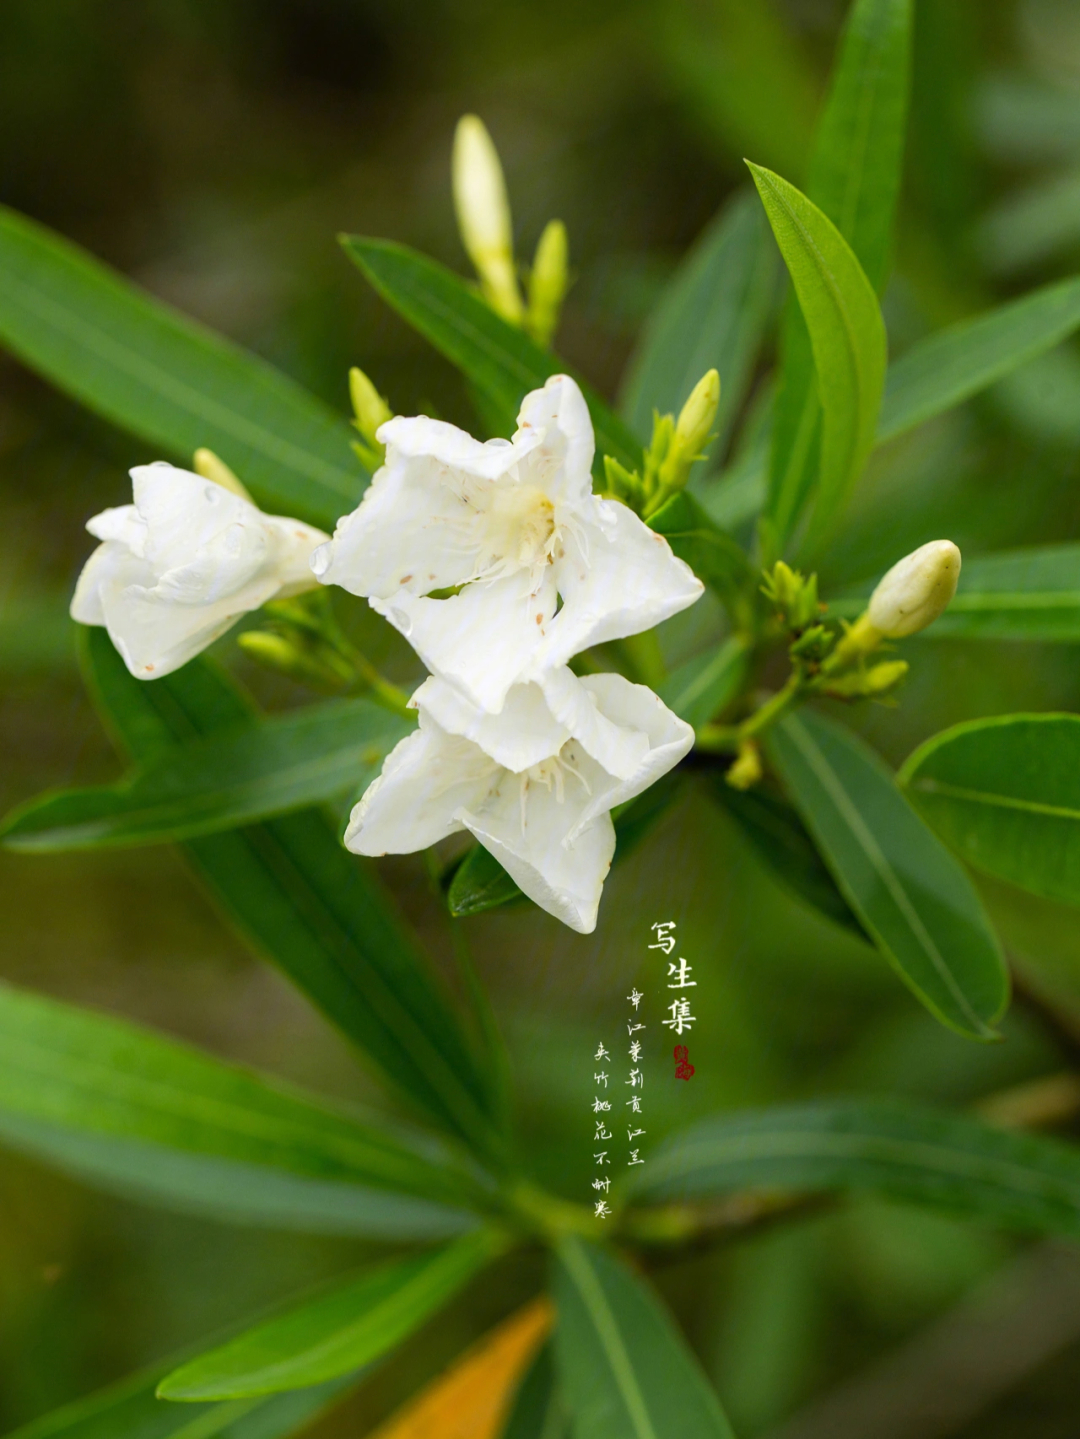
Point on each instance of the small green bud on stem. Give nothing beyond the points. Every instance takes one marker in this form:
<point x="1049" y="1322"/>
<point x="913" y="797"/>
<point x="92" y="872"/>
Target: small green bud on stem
<point x="549" y="281"/>
<point x="210" y="467"/>
<point x="483" y="214"/>
<point x="676" y="444"/>
<point x="371" y="411"/>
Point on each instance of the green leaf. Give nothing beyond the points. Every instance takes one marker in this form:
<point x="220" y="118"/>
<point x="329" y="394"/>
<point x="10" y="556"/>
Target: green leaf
<point x="706" y="684"/>
<point x="847" y="336"/>
<point x="626" y="1371"/>
<point x="713" y="555"/>
<point x="480" y="882"/>
<point x="1022" y="1181"/>
<point x="143" y="1114"/>
<point x="781" y="842"/>
<point x="1016" y="595"/>
<point x="132" y="1410"/>
<point x="858" y="154"/>
<point x="301" y="900"/>
<point x="952" y="365"/>
<point x="168" y="380"/>
<point x="854" y="179"/>
<point x="496" y="357"/>
<point x="284" y="763"/>
<point x="538" y="1411"/>
<point x="904" y="886"/>
<point x="712" y="315"/>
<point x="340" y="1331"/>
<point x="1032" y="225"/>
<point x="1004" y="793"/>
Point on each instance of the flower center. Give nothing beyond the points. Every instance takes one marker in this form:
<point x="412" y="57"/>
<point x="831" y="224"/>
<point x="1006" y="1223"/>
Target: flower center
<point x="551" y="773"/>
<point x="519" y="533"/>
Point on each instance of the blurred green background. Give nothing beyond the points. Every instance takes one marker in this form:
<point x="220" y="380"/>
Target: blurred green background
<point x="212" y="149"/>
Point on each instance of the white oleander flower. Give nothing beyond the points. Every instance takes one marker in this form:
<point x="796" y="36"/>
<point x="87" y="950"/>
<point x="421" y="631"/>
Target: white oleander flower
<point x="535" y="783"/>
<point x="543" y="567"/>
<point x="183" y="563"/>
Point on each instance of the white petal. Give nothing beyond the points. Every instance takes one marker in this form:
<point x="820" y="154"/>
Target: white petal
<point x="620" y="749"/>
<point x="559" y="417"/>
<point x="122" y="523"/>
<point x="561" y="875"/>
<point x="155" y="636"/>
<point x="110" y="565"/>
<point x="420" y="524"/>
<point x="635" y="708"/>
<point x="426" y="779"/>
<point x="482" y="639"/>
<point x="616" y="578"/>
<point x="524" y="733"/>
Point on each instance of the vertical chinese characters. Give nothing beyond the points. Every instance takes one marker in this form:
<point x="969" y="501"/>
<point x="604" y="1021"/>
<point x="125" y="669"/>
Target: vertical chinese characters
<point x="634" y="1027"/>
<point x="601" y="1106"/>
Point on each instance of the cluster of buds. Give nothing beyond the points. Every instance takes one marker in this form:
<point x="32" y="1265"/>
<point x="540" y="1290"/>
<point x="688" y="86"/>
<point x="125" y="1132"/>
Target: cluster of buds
<point x="303" y="642"/>
<point x="674" y="447"/>
<point x="483" y="213"/>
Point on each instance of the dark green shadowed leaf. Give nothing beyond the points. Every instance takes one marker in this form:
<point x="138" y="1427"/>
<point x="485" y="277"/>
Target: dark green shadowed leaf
<point x="132" y="1410"/>
<point x="781" y="842"/>
<point x="136" y="1112"/>
<point x="168" y="380"/>
<point x="847" y="336"/>
<point x="342" y="1330"/>
<point x="1004" y="793"/>
<point x="930" y="1156"/>
<point x="949" y="367"/>
<point x="713" y="555"/>
<point x="854" y="179"/>
<point x="284" y="763"/>
<point x="904" y="886"/>
<point x="706" y="684"/>
<point x="625" y="1370"/>
<point x="480" y="882"/>
<point x="538" y="1411"/>
<point x="1017" y="595"/>
<point x="496" y="357"/>
<point x="713" y="315"/>
<point x="296" y="895"/>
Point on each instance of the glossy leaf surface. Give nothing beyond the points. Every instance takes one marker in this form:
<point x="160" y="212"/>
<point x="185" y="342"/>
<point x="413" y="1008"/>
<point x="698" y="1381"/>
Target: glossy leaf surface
<point x="1022" y="1181"/>
<point x="495" y="356"/>
<point x="339" y="1332"/>
<point x="712" y="315"/>
<point x="137" y="1112"/>
<point x="284" y="763"/>
<point x="538" y="1411"/>
<point x="296" y="895"/>
<point x="624" y="1368"/>
<point x="1005" y="794"/>
<point x="906" y="889"/>
<point x="171" y="382"/>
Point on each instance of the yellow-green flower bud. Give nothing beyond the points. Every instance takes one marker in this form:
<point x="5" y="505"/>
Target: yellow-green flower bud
<point x="207" y="464"/>
<point x="916" y="590"/>
<point x="371" y="411"/>
<point x="548" y="282"/>
<point x="877" y="680"/>
<point x="696" y="417"/>
<point x="483" y="214"/>
<point x="747" y="769"/>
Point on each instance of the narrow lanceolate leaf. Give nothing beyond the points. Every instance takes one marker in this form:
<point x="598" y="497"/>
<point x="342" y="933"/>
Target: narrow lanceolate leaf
<point x="703" y="686"/>
<point x="933" y="1157"/>
<point x="711" y="553"/>
<point x="282" y="764"/>
<point x="949" y="367"/>
<point x="712" y="315"/>
<point x="1029" y="594"/>
<point x="136" y="1112"/>
<point x="846" y="331"/>
<point x="472" y="1397"/>
<point x="132" y="1410"/>
<point x="169" y="381"/>
<point x="480" y="882"/>
<point x="906" y="889"/>
<point x="625" y="1370"/>
<point x="780" y="840"/>
<point x="296" y="895"/>
<point x="854" y="179"/>
<point x="538" y="1410"/>
<point x="338" y="1332"/>
<point x="1005" y="794"/>
<point x="496" y="357"/>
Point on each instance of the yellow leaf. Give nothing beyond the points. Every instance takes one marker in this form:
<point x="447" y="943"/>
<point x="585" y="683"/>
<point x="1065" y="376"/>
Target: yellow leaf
<point x="470" y="1400"/>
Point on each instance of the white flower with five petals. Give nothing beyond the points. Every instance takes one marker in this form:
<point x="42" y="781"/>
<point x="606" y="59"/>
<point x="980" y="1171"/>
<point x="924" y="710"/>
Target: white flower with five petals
<point x="542" y="567"/>
<point x="535" y="784"/>
<point x="183" y="563"/>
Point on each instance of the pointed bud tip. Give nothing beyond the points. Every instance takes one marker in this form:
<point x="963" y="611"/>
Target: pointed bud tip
<point x="210" y="467"/>
<point x="916" y="590"/>
<point x="699" y="412"/>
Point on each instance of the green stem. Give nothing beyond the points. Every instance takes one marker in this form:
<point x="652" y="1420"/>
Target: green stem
<point x="380" y="689"/>
<point x="726" y="739"/>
